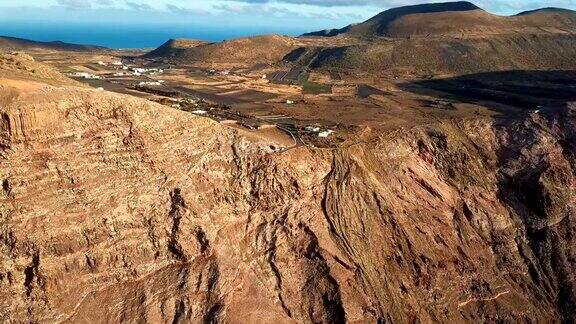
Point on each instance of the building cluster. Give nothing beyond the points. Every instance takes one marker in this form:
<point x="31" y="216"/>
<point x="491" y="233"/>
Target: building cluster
<point x="151" y="83"/>
<point x="115" y="63"/>
<point x="122" y="71"/>
<point x="85" y="75"/>
<point x="325" y="133"/>
<point x="150" y="71"/>
<point x="319" y="131"/>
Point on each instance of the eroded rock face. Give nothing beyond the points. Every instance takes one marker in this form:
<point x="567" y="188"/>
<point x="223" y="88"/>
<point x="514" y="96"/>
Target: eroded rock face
<point x="122" y="210"/>
<point x="465" y="222"/>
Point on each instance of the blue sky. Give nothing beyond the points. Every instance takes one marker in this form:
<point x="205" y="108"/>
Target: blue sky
<point x="208" y="19"/>
<point x="246" y="12"/>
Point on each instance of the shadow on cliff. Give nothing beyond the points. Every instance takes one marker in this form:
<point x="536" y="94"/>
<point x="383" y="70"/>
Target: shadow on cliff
<point x="506" y="92"/>
<point x="536" y="183"/>
<point x="536" y="159"/>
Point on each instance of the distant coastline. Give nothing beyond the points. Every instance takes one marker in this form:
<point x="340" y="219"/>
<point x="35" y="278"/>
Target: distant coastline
<point x="126" y="37"/>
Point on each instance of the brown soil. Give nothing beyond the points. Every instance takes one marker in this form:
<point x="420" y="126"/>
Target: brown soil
<point x="117" y="209"/>
<point x="438" y="199"/>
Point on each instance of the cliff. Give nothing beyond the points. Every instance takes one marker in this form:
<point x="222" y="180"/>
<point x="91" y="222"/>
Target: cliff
<point x="117" y="209"/>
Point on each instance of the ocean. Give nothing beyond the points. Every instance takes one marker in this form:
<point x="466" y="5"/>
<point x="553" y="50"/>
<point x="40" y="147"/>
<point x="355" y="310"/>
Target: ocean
<point x="129" y="36"/>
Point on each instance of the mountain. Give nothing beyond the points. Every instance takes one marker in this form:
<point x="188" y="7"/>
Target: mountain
<point x="453" y="18"/>
<point x="554" y="20"/>
<point x="174" y="48"/>
<point x="242" y="51"/>
<point x="438" y="38"/>
<point x="382" y="24"/>
<point x="448" y="38"/>
<point x="431" y="56"/>
<point x="548" y="10"/>
<point x="16" y="44"/>
<point x="117" y="209"/>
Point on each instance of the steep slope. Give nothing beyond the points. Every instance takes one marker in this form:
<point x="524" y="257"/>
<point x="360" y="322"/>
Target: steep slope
<point x="455" y="18"/>
<point x="17" y="44"/>
<point x="548" y="11"/>
<point x="19" y="65"/>
<point x="431" y="56"/>
<point x="553" y="20"/>
<point x="398" y="21"/>
<point x="243" y="51"/>
<point x="115" y="209"/>
<point x="437" y="38"/>
<point x="174" y="48"/>
<point x="453" y="38"/>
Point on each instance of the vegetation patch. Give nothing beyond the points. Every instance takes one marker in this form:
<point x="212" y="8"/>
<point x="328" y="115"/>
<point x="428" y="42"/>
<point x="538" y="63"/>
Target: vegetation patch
<point x="309" y="87"/>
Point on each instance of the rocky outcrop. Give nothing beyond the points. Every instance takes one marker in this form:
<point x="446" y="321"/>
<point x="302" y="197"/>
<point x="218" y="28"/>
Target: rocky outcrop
<point x="470" y="221"/>
<point x="21" y="66"/>
<point x="123" y="210"/>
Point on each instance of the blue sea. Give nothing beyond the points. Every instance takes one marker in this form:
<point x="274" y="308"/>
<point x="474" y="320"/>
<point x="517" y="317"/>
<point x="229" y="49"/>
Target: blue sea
<point x="129" y="36"/>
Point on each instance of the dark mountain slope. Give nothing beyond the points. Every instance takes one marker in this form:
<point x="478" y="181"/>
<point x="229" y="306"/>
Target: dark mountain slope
<point x="454" y="18"/>
<point x="453" y="38"/>
<point x="379" y="24"/>
<point x="440" y="38"/>
<point x="453" y="56"/>
<point x="13" y="43"/>
<point x="245" y="51"/>
<point x="174" y="47"/>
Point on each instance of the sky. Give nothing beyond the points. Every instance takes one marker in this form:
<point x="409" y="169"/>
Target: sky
<point x="145" y="23"/>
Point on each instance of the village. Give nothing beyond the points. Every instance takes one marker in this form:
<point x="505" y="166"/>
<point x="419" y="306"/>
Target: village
<point x="280" y="103"/>
<point x="163" y="84"/>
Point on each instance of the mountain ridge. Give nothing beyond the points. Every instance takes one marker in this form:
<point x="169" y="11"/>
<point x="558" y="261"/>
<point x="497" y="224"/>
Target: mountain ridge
<point x="15" y="43"/>
<point x="546" y="9"/>
<point x="265" y="49"/>
<point x="173" y="47"/>
<point x="445" y="18"/>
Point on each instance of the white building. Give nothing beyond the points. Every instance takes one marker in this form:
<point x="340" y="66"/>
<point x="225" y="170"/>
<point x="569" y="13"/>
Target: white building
<point x="85" y="75"/>
<point x="150" y="83"/>
<point x="325" y="133"/>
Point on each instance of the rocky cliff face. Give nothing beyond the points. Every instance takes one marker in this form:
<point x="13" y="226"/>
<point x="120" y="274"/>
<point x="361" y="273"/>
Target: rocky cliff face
<point x="461" y="222"/>
<point x="115" y="209"/>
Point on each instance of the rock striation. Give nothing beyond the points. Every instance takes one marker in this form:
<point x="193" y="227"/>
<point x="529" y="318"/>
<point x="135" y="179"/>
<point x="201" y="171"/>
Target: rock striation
<point x="115" y="209"/>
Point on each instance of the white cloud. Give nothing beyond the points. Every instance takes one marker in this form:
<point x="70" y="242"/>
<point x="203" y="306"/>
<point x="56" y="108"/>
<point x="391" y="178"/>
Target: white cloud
<point x="299" y="13"/>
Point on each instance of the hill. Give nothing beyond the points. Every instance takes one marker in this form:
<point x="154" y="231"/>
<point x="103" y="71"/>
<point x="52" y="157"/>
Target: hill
<point x="242" y="51"/>
<point x="552" y="20"/>
<point x="382" y="24"/>
<point x="22" y="66"/>
<point x="454" y="18"/>
<point x="17" y="44"/>
<point x="450" y="38"/>
<point x="174" y="48"/>
<point x="422" y="56"/>
<point x="548" y="10"/>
